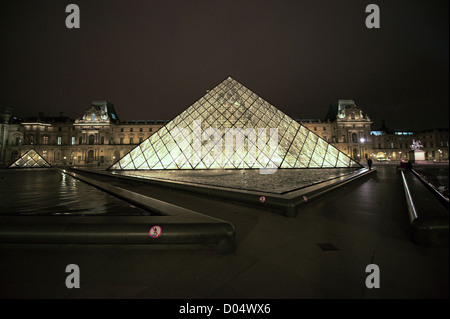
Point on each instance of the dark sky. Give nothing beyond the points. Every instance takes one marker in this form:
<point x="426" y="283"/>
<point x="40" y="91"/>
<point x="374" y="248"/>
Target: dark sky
<point x="153" y="59"/>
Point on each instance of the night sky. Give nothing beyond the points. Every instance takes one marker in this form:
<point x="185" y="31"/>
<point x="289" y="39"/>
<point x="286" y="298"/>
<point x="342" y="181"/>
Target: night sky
<point x="153" y="59"/>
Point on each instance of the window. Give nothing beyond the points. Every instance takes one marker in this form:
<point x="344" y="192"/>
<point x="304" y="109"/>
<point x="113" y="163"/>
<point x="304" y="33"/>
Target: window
<point x="91" y="139"/>
<point x="324" y="128"/>
<point x="150" y="129"/>
<point x="315" y="129"/>
<point x="59" y="129"/>
<point x="102" y="140"/>
<point x="140" y="130"/>
<point x="392" y="145"/>
<point x="44" y="153"/>
<point x="432" y="144"/>
<point x="59" y="140"/>
<point x="121" y="140"/>
<point x="45" y="140"/>
<point x="352" y="116"/>
<point x="131" y="140"/>
<point x="80" y="140"/>
<point x="92" y="117"/>
<point x="354" y="138"/>
<point x="73" y="140"/>
<point x="45" y="128"/>
<point x="140" y="140"/>
<point x="121" y="129"/>
<point x="131" y="129"/>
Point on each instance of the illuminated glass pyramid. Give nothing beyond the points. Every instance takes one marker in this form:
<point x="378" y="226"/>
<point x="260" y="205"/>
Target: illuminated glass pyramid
<point x="232" y="127"/>
<point x="30" y="159"/>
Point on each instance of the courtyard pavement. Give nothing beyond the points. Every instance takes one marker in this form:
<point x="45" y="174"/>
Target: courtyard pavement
<point x="364" y="222"/>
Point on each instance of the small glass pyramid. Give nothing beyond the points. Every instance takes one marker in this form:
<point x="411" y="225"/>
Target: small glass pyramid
<point x="30" y="159"/>
<point x="231" y="127"/>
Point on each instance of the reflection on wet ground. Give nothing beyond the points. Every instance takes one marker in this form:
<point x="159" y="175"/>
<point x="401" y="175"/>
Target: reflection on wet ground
<point x="436" y="176"/>
<point x="49" y="192"/>
<point x="283" y="180"/>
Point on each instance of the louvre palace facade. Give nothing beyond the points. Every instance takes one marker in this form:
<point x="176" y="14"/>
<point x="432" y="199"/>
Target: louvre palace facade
<point x="99" y="138"/>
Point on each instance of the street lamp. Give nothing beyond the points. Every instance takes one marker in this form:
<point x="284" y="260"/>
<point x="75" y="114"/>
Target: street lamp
<point x="362" y="140"/>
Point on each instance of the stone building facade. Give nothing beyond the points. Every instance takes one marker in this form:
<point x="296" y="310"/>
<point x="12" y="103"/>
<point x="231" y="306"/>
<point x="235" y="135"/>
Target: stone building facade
<point x="99" y="138"/>
<point x="346" y="127"/>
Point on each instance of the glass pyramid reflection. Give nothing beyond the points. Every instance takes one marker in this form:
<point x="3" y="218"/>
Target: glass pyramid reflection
<point x="30" y="159"/>
<point x="232" y="127"/>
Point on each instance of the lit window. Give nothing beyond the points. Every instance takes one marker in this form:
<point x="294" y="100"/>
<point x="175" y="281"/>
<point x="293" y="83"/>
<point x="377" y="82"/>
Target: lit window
<point x="59" y="140"/>
<point x="92" y="117"/>
<point x="45" y="140"/>
<point x="73" y="140"/>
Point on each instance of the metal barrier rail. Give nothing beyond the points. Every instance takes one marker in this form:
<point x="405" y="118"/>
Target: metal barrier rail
<point x="409" y="201"/>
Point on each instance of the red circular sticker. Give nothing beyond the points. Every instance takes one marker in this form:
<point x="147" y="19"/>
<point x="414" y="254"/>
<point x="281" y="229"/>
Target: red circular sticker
<point x="155" y="231"/>
<point x="262" y="199"/>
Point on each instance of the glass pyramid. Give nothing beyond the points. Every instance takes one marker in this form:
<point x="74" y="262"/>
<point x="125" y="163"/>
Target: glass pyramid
<point x="231" y="127"/>
<point x="30" y="159"/>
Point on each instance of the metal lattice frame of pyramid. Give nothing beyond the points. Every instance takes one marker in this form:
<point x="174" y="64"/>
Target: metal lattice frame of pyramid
<point x="195" y="138"/>
<point x="31" y="159"/>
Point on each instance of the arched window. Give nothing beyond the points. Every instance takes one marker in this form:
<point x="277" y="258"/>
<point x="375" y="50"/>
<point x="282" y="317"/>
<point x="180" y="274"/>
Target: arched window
<point x="91" y="139"/>
<point x="14" y="155"/>
<point x="90" y="158"/>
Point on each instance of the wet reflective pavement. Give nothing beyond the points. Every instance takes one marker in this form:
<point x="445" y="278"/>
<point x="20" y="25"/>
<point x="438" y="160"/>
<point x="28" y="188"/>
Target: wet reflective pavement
<point x="49" y="192"/>
<point x="281" y="181"/>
